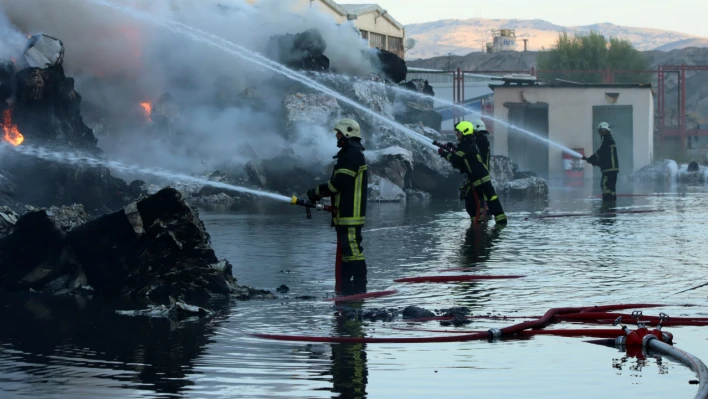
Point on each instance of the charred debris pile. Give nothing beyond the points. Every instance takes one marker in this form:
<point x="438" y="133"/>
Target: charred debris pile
<point x="153" y="248"/>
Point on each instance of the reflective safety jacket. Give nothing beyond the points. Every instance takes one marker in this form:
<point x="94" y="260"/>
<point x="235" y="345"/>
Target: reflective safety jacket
<point x="480" y="138"/>
<point x="468" y="160"/>
<point x="348" y="186"/>
<point x="606" y="155"/>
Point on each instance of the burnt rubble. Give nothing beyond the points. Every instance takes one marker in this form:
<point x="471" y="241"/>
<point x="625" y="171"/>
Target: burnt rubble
<point x="393" y="67"/>
<point x="304" y="51"/>
<point x="155" y="250"/>
<point x="417" y="109"/>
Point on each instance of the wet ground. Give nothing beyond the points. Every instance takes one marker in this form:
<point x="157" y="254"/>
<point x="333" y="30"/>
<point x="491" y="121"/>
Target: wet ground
<point x="73" y="348"/>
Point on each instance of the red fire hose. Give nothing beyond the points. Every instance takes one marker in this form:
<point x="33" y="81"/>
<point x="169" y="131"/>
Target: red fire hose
<point x="491" y="333"/>
<point x="448" y="279"/>
<point x="594" y="316"/>
<point x="595" y="333"/>
<point x="560" y="215"/>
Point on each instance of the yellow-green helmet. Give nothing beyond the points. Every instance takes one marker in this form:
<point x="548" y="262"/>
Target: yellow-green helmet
<point x="349" y="128"/>
<point x="465" y="127"/>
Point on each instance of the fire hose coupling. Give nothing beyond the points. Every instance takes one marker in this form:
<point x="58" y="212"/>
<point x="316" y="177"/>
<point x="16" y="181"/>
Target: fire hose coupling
<point x="621" y="340"/>
<point x="495" y="333"/>
<point x="646" y="339"/>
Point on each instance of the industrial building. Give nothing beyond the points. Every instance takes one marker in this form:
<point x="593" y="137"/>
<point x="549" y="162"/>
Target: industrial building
<point x="373" y="23"/>
<point x="568" y="114"/>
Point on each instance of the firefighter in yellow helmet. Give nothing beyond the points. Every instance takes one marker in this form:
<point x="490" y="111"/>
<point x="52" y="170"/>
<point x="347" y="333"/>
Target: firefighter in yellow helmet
<point x="467" y="159"/>
<point x="348" y="187"/>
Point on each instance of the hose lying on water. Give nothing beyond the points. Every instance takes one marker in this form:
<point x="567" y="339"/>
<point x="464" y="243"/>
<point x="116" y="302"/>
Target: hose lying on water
<point x="492" y="333"/>
<point x="449" y="279"/>
<point x="695" y="364"/>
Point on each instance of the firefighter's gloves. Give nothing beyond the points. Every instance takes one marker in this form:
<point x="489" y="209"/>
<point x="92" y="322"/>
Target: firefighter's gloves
<point x="442" y="152"/>
<point x="312" y="195"/>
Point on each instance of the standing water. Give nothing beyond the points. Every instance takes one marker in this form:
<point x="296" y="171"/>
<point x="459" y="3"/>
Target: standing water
<point x="66" y="347"/>
<point x="242" y="52"/>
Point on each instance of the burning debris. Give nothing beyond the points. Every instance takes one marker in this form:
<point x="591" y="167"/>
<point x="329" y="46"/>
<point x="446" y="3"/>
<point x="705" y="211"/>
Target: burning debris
<point x="11" y="134"/>
<point x="45" y="111"/>
<point x="147" y="107"/>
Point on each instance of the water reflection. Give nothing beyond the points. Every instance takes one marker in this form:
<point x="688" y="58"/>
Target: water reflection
<point x="349" y="372"/>
<point x="478" y="244"/>
<point x="69" y="342"/>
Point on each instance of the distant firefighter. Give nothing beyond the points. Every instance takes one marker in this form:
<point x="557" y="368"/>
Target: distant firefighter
<point x="606" y="159"/>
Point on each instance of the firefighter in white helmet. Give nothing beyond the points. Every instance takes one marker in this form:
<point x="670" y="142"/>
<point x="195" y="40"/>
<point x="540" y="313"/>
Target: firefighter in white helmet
<point x="481" y="138"/>
<point x="606" y="159"/>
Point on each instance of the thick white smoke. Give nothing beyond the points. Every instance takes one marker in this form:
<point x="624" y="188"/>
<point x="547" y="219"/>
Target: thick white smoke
<point x="119" y="62"/>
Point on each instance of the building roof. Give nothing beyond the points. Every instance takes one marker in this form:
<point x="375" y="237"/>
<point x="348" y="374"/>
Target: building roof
<point x="336" y="7"/>
<point x="361" y="9"/>
<point x="571" y="85"/>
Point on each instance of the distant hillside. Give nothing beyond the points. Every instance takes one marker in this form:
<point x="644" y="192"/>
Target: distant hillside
<point x="679" y="44"/>
<point x="461" y="37"/>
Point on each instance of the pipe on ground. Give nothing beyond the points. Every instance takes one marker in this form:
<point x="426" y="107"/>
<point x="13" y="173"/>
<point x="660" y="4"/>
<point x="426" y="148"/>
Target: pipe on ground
<point x="651" y="342"/>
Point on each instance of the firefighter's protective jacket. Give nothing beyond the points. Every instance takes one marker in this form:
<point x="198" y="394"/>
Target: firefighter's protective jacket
<point x="468" y="159"/>
<point x="480" y="138"/>
<point x="348" y="186"/>
<point x="606" y="155"/>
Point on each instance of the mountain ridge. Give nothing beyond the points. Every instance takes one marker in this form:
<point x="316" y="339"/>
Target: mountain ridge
<point x="463" y="36"/>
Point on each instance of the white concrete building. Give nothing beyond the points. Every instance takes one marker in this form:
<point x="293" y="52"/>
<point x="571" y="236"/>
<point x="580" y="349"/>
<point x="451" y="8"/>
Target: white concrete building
<point x="568" y="114"/>
<point x="373" y="22"/>
<point x="377" y="26"/>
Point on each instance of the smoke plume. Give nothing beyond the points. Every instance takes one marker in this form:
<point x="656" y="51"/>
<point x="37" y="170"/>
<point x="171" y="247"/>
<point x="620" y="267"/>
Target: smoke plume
<point x="119" y="62"/>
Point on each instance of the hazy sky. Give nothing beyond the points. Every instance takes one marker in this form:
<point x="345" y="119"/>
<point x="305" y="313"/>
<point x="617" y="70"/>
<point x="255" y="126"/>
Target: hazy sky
<point x="687" y="16"/>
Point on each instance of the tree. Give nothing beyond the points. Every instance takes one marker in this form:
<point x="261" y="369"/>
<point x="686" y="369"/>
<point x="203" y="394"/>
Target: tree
<point x="592" y="52"/>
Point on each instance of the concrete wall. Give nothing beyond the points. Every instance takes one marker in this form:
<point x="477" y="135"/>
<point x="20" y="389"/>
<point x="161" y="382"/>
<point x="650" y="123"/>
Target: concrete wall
<point x="570" y="120"/>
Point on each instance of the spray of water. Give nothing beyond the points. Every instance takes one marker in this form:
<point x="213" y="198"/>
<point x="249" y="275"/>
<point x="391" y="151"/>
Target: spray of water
<point x="466" y="110"/>
<point x="81" y="159"/>
<point x="512" y="126"/>
<point x="239" y="51"/>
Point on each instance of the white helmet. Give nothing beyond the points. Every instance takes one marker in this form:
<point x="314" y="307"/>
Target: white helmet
<point x="478" y="125"/>
<point x="604" y="125"/>
<point x="349" y="128"/>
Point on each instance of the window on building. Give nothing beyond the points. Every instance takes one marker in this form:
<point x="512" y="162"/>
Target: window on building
<point x="365" y="35"/>
<point x="377" y="40"/>
<point x="395" y="45"/>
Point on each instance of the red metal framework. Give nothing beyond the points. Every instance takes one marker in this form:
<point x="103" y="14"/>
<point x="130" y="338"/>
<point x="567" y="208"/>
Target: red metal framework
<point x="609" y="76"/>
<point x="679" y="131"/>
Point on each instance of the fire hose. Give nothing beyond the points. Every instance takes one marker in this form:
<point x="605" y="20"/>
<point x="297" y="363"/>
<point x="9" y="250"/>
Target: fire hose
<point x="494" y="333"/>
<point x="656" y="339"/>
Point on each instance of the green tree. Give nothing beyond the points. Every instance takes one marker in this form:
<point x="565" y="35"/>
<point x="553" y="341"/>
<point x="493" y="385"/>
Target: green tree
<point x="592" y="52"/>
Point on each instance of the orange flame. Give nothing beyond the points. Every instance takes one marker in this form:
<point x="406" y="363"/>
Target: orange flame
<point x="147" y="106"/>
<point x="12" y="134"/>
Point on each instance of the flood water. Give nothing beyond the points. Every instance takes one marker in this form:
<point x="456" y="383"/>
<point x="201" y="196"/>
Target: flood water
<point x="77" y="348"/>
